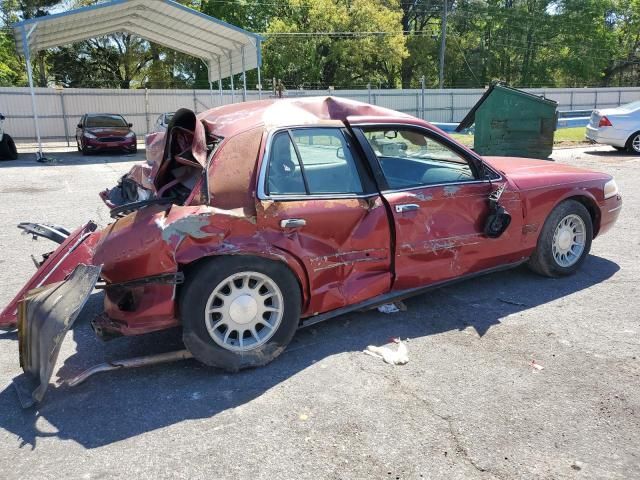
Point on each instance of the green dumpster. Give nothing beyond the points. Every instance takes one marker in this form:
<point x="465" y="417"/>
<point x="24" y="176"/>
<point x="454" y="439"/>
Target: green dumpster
<point x="510" y="122"/>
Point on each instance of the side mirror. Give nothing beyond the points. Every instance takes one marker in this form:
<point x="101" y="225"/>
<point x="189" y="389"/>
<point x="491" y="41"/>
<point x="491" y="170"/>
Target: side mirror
<point x="130" y="125"/>
<point x="79" y="125"/>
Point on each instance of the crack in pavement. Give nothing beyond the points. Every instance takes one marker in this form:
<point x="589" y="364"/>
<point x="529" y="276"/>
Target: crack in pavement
<point x="458" y="444"/>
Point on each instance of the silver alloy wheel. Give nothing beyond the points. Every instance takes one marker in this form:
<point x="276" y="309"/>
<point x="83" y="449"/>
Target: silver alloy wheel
<point x="244" y="311"/>
<point x="569" y="240"/>
<point x="635" y="143"/>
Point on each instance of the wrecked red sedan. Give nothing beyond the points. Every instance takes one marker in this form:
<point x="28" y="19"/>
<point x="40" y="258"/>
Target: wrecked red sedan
<point x="266" y="216"/>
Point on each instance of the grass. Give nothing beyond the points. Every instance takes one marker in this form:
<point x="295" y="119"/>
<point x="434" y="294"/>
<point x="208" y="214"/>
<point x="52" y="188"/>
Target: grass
<point x="563" y="136"/>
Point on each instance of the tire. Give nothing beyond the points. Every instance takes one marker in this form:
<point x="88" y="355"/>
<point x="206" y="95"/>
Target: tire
<point x="544" y="261"/>
<point x="633" y="144"/>
<point x="203" y="288"/>
<point x="8" y="150"/>
<point x="85" y="151"/>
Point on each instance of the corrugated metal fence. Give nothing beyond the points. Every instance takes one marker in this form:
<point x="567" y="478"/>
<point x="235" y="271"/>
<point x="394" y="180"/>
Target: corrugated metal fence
<point x="60" y="109"/>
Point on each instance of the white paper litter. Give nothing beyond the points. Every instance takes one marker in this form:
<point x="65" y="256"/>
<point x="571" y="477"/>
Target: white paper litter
<point x="388" y="308"/>
<point x="392" y="357"/>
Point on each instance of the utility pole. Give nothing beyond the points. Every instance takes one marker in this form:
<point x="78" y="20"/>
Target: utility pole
<point x="443" y="41"/>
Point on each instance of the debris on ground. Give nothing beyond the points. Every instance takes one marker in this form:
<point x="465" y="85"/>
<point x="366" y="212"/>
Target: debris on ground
<point x="392" y="357"/>
<point x="577" y="465"/>
<point x="393" y="307"/>
<point x="535" y="365"/>
<point x="513" y="302"/>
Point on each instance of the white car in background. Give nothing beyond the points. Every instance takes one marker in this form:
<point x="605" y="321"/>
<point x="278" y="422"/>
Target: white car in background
<point x="162" y="122"/>
<point x="618" y="127"/>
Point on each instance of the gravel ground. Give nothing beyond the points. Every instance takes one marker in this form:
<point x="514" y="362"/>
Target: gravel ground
<point x="467" y="405"/>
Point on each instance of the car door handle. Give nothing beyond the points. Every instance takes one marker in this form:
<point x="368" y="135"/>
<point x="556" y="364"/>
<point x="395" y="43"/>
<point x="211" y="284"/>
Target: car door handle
<point x="408" y="207"/>
<point x="293" y="223"/>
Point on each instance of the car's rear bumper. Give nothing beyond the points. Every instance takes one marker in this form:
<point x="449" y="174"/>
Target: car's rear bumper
<point x="606" y="136"/>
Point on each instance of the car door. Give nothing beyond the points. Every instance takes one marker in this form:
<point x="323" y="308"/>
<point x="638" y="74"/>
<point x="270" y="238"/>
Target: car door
<point x="438" y="196"/>
<point x="318" y="203"/>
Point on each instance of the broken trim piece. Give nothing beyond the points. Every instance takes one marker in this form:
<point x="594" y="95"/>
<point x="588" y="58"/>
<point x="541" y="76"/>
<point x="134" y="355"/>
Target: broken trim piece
<point x="55" y="233"/>
<point x="164" y="279"/>
<point x="45" y="316"/>
<point x="129" y="363"/>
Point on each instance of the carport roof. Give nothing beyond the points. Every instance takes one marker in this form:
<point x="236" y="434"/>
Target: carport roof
<point x="165" y="22"/>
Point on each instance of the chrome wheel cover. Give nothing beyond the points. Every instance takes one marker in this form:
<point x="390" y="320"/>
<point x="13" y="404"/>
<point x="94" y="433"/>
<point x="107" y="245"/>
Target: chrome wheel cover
<point x="569" y="240"/>
<point x="635" y="143"/>
<point x="244" y="311"/>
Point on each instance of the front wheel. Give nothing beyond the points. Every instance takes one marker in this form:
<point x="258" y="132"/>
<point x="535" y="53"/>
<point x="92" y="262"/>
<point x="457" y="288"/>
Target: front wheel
<point x="564" y="242"/>
<point x="239" y="312"/>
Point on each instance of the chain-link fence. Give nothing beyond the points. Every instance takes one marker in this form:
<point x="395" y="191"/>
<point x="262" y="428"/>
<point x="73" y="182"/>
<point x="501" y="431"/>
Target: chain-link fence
<point x="60" y="110"/>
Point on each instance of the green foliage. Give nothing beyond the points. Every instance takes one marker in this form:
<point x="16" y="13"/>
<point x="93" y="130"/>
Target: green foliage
<point x="11" y="69"/>
<point x="352" y="43"/>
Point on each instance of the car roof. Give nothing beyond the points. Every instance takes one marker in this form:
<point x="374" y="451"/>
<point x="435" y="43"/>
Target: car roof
<point x="95" y="114"/>
<point x="229" y="120"/>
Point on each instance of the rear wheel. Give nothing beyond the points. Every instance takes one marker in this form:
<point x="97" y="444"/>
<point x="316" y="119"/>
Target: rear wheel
<point x="239" y="312"/>
<point x="633" y="144"/>
<point x="564" y="242"/>
<point x="8" y="150"/>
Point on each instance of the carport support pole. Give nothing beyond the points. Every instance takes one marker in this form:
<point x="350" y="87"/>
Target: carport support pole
<point x="259" y="58"/>
<point x="233" y="93"/>
<point x="244" y="78"/>
<point x="220" y="82"/>
<point x="27" y="59"/>
<point x="206" y="64"/>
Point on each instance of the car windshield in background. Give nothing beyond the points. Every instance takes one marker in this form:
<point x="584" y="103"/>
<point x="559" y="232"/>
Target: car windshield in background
<point x="630" y="107"/>
<point x="168" y="117"/>
<point x="105" y="121"/>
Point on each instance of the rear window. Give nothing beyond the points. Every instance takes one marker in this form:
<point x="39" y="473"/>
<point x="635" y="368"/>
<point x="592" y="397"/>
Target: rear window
<point x="630" y="107"/>
<point x="106" y="121"/>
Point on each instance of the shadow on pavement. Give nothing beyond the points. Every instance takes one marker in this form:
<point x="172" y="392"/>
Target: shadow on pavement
<point x="118" y="405"/>
<point x="609" y="153"/>
<point x="68" y="158"/>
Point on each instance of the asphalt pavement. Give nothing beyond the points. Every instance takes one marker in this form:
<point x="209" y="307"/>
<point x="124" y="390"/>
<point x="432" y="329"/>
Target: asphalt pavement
<point x="509" y="376"/>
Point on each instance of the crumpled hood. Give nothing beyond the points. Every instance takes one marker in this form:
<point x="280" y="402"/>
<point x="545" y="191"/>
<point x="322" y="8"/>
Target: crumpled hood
<point x="528" y="173"/>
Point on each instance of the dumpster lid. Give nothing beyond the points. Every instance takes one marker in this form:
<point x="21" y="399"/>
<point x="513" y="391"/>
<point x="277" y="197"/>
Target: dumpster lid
<point x="470" y="118"/>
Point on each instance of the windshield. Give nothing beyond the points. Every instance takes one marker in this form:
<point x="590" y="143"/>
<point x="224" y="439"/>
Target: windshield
<point x="106" y="121"/>
<point x="630" y="107"/>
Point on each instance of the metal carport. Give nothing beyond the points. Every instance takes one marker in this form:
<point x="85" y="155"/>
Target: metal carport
<point x="225" y="49"/>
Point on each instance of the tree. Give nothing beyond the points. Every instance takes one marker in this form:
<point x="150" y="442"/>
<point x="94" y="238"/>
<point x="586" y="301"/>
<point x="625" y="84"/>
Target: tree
<point x="322" y="55"/>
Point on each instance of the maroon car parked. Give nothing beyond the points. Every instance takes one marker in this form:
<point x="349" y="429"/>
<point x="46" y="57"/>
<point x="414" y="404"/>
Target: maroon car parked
<point x="105" y="131"/>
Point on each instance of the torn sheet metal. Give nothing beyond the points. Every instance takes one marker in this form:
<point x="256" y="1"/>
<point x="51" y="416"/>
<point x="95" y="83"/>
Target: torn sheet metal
<point x="77" y="248"/>
<point x="45" y="316"/>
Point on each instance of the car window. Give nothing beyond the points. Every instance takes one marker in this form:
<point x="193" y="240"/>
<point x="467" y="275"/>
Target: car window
<point x="94" y="121"/>
<point x="630" y="107"/>
<point x="312" y="161"/>
<point x="285" y="174"/>
<point x="410" y="159"/>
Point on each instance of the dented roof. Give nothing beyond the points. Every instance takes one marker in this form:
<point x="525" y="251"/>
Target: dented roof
<point x="232" y="119"/>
